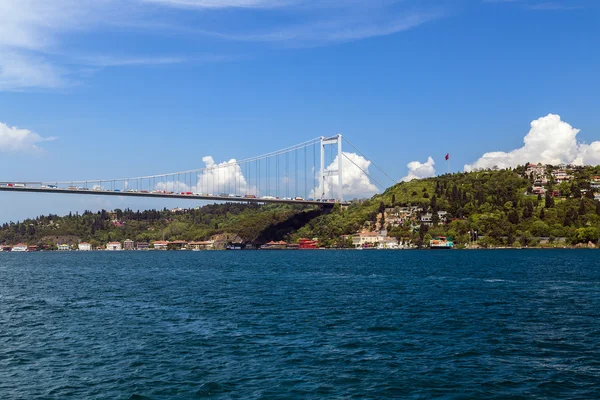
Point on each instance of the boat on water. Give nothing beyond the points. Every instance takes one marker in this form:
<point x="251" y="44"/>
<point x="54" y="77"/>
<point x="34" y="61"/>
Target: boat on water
<point x="235" y="246"/>
<point x="441" y="242"/>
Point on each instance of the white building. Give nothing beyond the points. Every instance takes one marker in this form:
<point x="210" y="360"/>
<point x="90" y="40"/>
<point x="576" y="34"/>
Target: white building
<point x="427" y="219"/>
<point x="443" y="216"/>
<point x="19" y="248"/>
<point x="364" y="239"/>
<point x="83" y="246"/>
<point x="536" y="169"/>
<point x="64" y="247"/>
<point x="114" y="246"/>
<point x="388" y="243"/>
<point x="160" y="245"/>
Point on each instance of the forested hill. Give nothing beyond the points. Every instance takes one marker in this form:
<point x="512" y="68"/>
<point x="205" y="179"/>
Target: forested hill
<point x="500" y="205"/>
<point x="521" y="206"/>
<point x="238" y="222"/>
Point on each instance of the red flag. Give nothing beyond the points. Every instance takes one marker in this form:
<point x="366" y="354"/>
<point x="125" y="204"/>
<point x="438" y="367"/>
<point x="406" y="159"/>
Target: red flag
<point x="447" y="156"/>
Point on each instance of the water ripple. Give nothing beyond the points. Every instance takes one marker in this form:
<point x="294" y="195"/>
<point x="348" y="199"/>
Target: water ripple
<point x="262" y="325"/>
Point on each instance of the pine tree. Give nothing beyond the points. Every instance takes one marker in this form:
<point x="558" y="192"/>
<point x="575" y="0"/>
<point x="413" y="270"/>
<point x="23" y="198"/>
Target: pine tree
<point x="549" y="201"/>
<point x="582" y="207"/>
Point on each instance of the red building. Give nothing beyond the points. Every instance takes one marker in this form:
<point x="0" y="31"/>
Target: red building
<point x="307" y="244"/>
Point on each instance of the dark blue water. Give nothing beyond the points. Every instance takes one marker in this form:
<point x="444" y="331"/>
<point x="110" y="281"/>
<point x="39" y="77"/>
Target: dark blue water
<point x="321" y="324"/>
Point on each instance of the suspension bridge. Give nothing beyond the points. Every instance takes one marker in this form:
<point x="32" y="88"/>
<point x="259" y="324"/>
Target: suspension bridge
<point x="309" y="173"/>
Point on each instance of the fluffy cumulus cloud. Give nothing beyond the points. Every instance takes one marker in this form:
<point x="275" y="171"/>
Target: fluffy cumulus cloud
<point x="418" y="170"/>
<point x="215" y="178"/>
<point x="228" y="178"/>
<point x="225" y="177"/>
<point x="549" y="141"/>
<point x="13" y="139"/>
<point x="355" y="181"/>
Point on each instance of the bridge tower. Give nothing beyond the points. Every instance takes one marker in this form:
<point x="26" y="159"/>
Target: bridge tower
<point x="323" y="173"/>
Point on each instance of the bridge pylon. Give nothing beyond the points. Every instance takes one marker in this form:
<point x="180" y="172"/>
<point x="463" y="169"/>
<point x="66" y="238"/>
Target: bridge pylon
<point x="324" y="173"/>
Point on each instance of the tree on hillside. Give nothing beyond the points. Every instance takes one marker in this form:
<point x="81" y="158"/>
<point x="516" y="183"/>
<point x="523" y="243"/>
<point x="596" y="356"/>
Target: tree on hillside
<point x="433" y="202"/>
<point x="513" y="217"/>
<point x="549" y="201"/>
<point x="528" y="210"/>
<point x="582" y="207"/>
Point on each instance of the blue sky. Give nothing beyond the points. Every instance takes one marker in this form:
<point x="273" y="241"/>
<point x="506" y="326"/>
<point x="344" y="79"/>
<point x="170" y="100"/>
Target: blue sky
<point x="137" y="87"/>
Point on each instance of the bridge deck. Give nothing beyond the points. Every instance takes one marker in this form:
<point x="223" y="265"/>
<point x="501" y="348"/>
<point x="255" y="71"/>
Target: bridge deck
<point x="166" y="196"/>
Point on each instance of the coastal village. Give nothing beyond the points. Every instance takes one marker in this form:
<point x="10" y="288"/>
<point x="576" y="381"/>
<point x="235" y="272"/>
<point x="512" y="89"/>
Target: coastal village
<point x="371" y="237"/>
<point x="394" y="226"/>
<point x="541" y="177"/>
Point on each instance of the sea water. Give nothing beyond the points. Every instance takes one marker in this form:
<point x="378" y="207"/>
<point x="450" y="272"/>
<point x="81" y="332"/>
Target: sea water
<point x="300" y="324"/>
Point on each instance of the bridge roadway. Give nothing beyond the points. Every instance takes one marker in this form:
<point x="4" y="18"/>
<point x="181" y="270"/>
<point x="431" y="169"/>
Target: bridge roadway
<point x="166" y="196"/>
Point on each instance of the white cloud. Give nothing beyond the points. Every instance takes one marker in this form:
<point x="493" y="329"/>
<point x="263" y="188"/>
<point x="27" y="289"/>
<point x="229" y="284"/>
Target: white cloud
<point x="13" y="139"/>
<point x="549" y="141"/>
<point x="37" y="36"/>
<point x="19" y="70"/>
<point x="113" y="61"/>
<point x="226" y="177"/>
<point x="354" y="181"/>
<point x="417" y="170"/>
<point x="323" y="31"/>
<point x="222" y="178"/>
<point x="221" y="3"/>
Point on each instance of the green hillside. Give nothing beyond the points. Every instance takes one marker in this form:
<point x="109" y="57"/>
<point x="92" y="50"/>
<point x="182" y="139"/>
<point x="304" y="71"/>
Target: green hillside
<point x="500" y="205"/>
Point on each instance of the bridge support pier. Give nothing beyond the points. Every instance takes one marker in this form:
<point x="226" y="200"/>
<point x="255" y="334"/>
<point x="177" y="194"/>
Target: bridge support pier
<point x="334" y="140"/>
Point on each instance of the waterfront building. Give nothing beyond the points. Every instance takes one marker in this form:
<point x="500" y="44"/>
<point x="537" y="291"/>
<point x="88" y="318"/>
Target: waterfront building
<point x="142" y="246"/>
<point x="389" y="243"/>
<point x="128" y="244"/>
<point x="64" y="247"/>
<point x="281" y="245"/>
<point x="307" y="244"/>
<point x="441" y="242"/>
<point x="32" y="248"/>
<point x="114" y="246"/>
<point x="84" y="246"/>
<point x="178" y="245"/>
<point x="368" y="239"/>
<point x="160" y="245"/>
<point x="19" y="248"/>
<point x="204" y="245"/>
